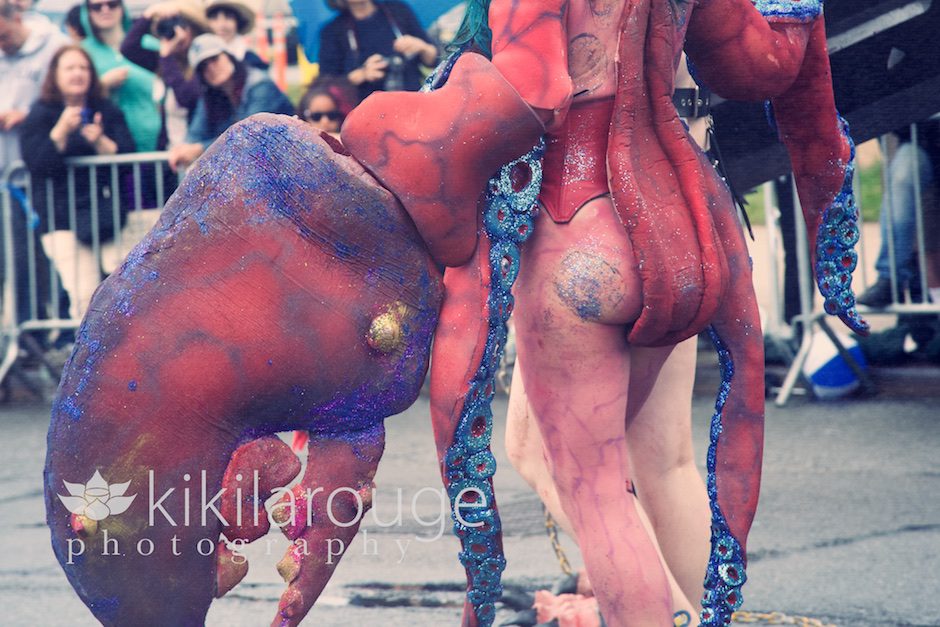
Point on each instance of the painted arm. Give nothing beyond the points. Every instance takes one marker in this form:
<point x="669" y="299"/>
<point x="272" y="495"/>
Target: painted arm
<point x="436" y="151"/>
<point x="530" y="49"/>
<point x="737" y="55"/>
<point x="741" y="55"/>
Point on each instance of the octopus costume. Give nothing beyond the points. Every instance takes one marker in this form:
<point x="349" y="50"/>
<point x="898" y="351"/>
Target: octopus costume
<point x="294" y="282"/>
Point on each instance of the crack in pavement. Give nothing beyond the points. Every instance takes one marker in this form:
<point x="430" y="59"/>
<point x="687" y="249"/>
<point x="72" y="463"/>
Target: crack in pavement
<point x="754" y="556"/>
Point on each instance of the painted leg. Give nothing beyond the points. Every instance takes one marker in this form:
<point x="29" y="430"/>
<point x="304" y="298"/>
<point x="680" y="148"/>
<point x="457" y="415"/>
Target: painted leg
<point x="576" y="291"/>
<point x="526" y="452"/>
<point x="669" y="486"/>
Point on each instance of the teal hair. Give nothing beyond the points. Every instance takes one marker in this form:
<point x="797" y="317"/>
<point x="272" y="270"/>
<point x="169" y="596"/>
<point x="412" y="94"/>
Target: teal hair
<point x="475" y="30"/>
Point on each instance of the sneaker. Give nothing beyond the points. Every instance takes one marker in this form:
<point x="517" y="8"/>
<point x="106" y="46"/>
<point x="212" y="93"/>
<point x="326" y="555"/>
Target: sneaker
<point x="878" y="295"/>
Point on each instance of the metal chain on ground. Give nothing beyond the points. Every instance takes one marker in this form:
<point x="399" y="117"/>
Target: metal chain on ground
<point x="777" y="618"/>
<point x="551" y="529"/>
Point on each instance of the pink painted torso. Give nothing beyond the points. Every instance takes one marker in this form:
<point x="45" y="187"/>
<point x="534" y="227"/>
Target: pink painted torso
<point x="594" y="30"/>
<point x="576" y="151"/>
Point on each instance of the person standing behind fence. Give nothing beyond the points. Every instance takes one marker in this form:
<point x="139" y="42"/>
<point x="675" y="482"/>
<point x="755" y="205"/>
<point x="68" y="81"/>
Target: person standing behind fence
<point x="898" y="215"/>
<point x="233" y="91"/>
<point x="26" y="47"/>
<point x="127" y="84"/>
<point x="25" y="52"/>
<point x="233" y="21"/>
<point x="73" y="118"/>
<point x="376" y="45"/>
<point x="175" y="24"/>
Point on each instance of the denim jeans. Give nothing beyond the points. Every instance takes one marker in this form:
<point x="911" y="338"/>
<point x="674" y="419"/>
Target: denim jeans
<point x="898" y="208"/>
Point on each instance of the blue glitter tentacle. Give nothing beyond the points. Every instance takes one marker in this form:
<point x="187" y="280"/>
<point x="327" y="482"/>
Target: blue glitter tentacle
<point x="725" y="574"/>
<point x="468" y="463"/>
<point x="790" y="10"/>
<point x="835" y="247"/>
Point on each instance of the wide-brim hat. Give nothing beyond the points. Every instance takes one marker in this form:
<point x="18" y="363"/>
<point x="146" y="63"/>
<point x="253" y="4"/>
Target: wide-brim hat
<point x="205" y="47"/>
<point x="191" y="11"/>
<point x="245" y="9"/>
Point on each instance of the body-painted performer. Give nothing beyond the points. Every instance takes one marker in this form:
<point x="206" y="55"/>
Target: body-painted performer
<point x="670" y="493"/>
<point x="288" y="287"/>
<point x="639" y="247"/>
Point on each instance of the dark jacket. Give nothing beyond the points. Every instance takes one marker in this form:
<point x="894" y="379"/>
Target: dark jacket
<point x="46" y="163"/>
<point x="373" y="35"/>
<point x="171" y="70"/>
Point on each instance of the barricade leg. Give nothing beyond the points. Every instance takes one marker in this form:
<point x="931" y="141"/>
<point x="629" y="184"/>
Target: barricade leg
<point x="796" y="368"/>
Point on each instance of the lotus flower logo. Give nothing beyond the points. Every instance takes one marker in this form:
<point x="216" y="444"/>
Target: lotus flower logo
<point x="96" y="499"/>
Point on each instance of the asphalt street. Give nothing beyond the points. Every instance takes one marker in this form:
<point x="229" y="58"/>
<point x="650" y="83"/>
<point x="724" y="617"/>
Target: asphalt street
<point x="847" y="532"/>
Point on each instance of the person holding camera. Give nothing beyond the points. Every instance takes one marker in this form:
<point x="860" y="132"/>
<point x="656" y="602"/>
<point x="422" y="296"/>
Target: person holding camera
<point x="232" y="91"/>
<point x="376" y="46"/>
<point x="174" y="24"/>
<point x="127" y="84"/>
<point x="73" y="118"/>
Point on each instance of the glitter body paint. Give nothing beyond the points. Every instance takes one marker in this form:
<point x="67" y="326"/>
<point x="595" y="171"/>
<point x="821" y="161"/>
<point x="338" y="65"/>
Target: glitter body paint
<point x="243" y="313"/>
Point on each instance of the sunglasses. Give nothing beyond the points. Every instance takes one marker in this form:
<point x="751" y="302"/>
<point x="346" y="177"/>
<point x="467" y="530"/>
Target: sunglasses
<point x="97" y="7"/>
<point x="316" y="116"/>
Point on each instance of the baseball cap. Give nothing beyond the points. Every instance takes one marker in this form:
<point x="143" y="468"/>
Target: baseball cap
<point x="205" y="47"/>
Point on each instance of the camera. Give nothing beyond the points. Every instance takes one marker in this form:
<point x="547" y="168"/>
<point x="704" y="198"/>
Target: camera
<point x="395" y="75"/>
<point x="166" y="28"/>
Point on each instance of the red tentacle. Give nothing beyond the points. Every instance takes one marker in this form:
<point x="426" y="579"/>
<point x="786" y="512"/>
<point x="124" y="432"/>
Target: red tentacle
<point x="457" y="353"/>
<point x="809" y="127"/>
<point x="658" y="184"/>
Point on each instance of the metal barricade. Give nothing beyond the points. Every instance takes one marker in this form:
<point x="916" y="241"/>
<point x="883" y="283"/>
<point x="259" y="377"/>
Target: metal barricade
<point x="812" y="315"/>
<point x="45" y="262"/>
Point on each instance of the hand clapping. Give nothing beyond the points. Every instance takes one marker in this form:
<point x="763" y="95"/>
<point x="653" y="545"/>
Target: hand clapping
<point x="93" y="131"/>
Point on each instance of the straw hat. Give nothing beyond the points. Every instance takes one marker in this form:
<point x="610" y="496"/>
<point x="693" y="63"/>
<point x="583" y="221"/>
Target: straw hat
<point x="244" y="9"/>
<point x="190" y="10"/>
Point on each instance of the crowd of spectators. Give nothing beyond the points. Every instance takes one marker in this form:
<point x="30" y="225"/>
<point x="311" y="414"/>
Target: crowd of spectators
<point x="173" y="79"/>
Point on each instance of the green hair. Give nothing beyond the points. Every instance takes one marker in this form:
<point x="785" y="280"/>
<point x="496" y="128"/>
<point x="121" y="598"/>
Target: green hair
<point x="475" y="30"/>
